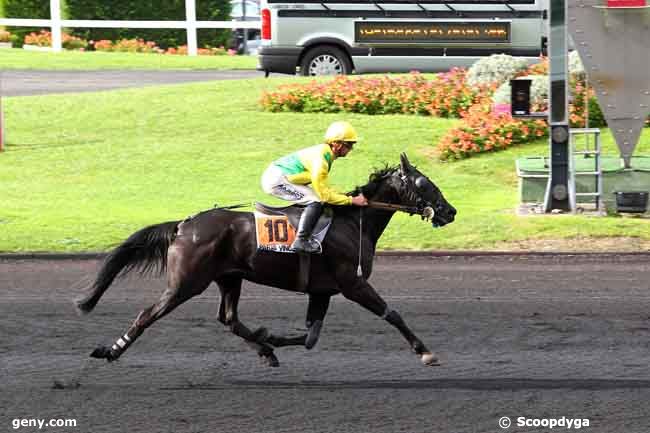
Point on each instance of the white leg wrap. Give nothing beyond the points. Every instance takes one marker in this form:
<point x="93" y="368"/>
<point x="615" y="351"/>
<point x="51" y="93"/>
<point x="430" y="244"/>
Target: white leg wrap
<point x="121" y="343"/>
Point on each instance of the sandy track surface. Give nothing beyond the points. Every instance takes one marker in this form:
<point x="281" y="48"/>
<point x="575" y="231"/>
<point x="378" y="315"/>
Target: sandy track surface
<point x="541" y="337"/>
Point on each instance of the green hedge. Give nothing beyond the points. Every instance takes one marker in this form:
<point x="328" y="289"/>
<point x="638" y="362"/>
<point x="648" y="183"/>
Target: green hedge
<point x="128" y="10"/>
<point x="209" y="10"/>
<point x="25" y="9"/>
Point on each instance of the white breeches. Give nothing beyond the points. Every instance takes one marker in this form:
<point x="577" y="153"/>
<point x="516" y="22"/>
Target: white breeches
<point x="275" y="182"/>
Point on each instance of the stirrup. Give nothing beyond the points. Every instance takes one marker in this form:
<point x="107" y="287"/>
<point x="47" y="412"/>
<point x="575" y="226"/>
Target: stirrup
<point x="308" y="246"/>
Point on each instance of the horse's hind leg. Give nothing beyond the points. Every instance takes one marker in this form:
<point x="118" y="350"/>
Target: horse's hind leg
<point x="170" y="299"/>
<point x="230" y="288"/>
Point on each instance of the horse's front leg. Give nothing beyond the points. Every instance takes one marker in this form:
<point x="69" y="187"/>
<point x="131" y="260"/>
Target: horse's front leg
<point x="365" y="295"/>
<point x="318" y="305"/>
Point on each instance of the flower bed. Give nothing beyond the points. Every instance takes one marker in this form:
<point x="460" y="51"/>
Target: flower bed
<point x="6" y="39"/>
<point x="443" y="96"/>
<point x="207" y="51"/>
<point x="489" y="127"/>
<point x="483" y="131"/>
<point x="126" y="46"/>
<point x="486" y="121"/>
<point x="43" y="39"/>
<point x="141" y="46"/>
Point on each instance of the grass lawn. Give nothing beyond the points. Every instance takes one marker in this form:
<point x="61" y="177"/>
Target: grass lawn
<point x="82" y="172"/>
<point x="75" y="60"/>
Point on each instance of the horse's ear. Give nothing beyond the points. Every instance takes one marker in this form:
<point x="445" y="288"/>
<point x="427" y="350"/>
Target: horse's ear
<point x="404" y="164"/>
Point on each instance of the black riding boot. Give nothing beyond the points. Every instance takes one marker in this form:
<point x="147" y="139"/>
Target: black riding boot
<point x="304" y="243"/>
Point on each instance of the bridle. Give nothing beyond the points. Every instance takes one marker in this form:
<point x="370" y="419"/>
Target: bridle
<point x="421" y="207"/>
<point x="426" y="212"/>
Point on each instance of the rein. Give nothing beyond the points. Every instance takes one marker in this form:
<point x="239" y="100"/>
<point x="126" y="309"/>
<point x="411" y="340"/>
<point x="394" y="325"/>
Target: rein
<point x="425" y="212"/>
<point x="391" y="206"/>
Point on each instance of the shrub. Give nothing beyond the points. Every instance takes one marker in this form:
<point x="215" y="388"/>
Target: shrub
<point x="577" y="114"/>
<point x="135" y="46"/>
<point x="483" y="131"/>
<point x="208" y="51"/>
<point x="576" y="68"/>
<point x="70" y="42"/>
<point x="103" y="45"/>
<point x="40" y="39"/>
<point x="25" y="9"/>
<point x="453" y="96"/>
<point x="5" y="36"/>
<point x="495" y="70"/>
<point x="208" y="10"/>
<point x="538" y="92"/>
<point x="541" y="68"/>
<point x="577" y="80"/>
<point x="44" y="39"/>
<point x="126" y="46"/>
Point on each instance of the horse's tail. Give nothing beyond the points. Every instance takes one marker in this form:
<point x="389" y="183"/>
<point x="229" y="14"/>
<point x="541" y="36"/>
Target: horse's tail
<point x="144" y="250"/>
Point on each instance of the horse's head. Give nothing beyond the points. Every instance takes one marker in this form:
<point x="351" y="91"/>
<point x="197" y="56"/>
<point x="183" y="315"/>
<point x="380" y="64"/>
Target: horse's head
<point x="415" y="189"/>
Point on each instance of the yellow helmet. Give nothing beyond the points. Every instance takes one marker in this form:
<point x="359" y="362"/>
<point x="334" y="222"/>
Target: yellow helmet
<point x="340" y="131"/>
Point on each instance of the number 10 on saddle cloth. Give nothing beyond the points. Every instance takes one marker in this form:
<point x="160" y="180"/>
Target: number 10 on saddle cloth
<point x="275" y="233"/>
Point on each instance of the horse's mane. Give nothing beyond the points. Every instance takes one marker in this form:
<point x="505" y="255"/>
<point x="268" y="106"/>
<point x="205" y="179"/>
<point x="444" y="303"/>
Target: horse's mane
<point x="374" y="180"/>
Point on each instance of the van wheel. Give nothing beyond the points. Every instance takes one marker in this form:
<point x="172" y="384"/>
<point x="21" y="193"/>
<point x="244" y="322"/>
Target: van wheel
<point x="325" y="60"/>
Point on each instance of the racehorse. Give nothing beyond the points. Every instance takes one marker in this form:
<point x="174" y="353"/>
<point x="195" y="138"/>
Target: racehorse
<point x="220" y="245"/>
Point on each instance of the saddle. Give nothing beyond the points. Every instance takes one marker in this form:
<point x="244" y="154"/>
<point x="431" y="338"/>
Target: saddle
<point x="276" y="230"/>
<point x="293" y="213"/>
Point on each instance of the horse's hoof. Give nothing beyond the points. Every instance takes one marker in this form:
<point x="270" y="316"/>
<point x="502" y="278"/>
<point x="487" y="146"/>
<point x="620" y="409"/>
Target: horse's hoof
<point x="429" y="359"/>
<point x="313" y="334"/>
<point x="103" y="352"/>
<point x="271" y="360"/>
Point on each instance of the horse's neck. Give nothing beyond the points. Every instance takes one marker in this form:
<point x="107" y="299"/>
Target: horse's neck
<point x="376" y="220"/>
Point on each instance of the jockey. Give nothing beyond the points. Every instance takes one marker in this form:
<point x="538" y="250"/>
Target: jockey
<point x="301" y="177"/>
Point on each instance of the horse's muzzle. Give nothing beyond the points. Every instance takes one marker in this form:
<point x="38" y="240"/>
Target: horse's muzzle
<point x="444" y="217"/>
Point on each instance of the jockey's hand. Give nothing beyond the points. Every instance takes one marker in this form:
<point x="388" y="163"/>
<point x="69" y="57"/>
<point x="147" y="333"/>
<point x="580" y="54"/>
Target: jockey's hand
<point x="359" y="200"/>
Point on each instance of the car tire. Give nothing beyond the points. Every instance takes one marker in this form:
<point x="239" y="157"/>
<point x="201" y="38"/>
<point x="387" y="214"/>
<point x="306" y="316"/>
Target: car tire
<point x="325" y="60"/>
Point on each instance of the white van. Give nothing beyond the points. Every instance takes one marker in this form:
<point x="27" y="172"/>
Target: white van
<point x="328" y="37"/>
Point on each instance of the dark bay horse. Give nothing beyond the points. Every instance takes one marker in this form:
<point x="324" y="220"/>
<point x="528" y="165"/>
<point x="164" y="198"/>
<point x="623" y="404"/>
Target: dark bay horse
<point x="220" y="245"/>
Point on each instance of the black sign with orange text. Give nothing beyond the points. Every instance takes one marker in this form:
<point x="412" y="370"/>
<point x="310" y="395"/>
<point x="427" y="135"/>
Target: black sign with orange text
<point x="431" y="32"/>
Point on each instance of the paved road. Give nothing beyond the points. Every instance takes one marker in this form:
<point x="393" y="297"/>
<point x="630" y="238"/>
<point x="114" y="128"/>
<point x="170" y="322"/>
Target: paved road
<point x="533" y="337"/>
<point x="23" y="83"/>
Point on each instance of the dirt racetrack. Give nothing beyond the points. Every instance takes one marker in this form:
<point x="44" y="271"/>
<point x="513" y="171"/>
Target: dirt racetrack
<point x="33" y="82"/>
<point x="535" y="337"/>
